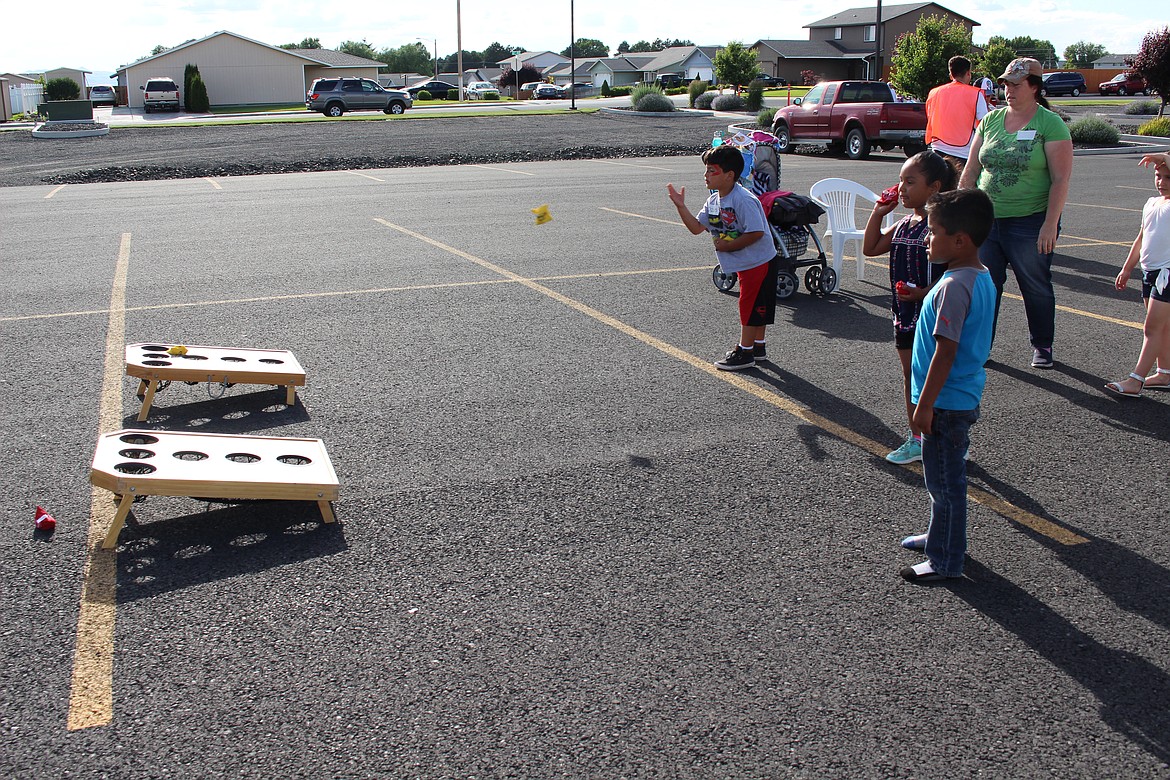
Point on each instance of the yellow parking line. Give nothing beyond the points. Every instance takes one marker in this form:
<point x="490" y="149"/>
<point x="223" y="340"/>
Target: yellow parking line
<point x="366" y="176"/>
<point x="212" y="182"/>
<point x="1006" y="509"/>
<point x="91" y="697"/>
<point x="54" y="191"/>
<point x="1099" y="206"/>
<point x="634" y="165"/>
<point x="642" y="216"/>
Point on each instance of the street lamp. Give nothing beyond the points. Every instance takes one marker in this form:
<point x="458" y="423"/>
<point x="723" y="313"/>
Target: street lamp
<point x="436" y="43"/>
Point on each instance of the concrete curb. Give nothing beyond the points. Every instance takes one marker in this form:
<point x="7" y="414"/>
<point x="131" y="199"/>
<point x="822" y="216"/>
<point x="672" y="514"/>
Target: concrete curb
<point x="677" y="113"/>
<point x="41" y="133"/>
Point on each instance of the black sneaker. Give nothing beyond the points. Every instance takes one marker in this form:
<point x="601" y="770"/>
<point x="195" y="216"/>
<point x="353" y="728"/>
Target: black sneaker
<point x="1042" y="358"/>
<point x="759" y="351"/>
<point x="736" y="360"/>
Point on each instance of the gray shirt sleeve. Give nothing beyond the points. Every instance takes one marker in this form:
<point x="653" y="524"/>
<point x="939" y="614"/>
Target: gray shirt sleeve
<point x="952" y="301"/>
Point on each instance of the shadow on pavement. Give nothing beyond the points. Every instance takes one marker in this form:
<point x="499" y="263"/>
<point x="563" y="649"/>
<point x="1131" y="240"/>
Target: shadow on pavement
<point x="234" y="412"/>
<point x="1132" y="691"/>
<point x="173" y="553"/>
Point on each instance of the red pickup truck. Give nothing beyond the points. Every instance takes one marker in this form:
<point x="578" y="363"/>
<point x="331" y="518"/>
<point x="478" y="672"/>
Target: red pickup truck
<point x="854" y="116"/>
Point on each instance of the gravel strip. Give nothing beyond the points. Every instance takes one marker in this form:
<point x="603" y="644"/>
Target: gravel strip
<point x="137" y="154"/>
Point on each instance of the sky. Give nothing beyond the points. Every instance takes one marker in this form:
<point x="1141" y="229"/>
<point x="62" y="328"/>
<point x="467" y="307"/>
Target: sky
<point x="80" y="36"/>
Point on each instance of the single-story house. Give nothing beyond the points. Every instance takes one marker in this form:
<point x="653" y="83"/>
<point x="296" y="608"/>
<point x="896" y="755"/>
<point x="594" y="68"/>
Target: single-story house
<point x="619" y="71"/>
<point x="688" y="62"/>
<point x="1113" y="61"/>
<point x="241" y="71"/>
<point x="542" y="61"/>
<point x="842" y="46"/>
<point x="560" y="74"/>
<point x="18" y="79"/>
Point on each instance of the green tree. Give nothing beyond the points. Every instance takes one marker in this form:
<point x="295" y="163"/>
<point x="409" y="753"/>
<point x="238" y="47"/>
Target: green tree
<point x="736" y="65"/>
<point x="623" y="47"/>
<point x="495" y="52"/>
<point x="640" y="46"/>
<point x="62" y="89"/>
<point x="1027" y="46"/>
<point x="1153" y="63"/>
<point x="190" y="73"/>
<point x="588" y="47"/>
<point x="994" y="61"/>
<point x="157" y="50"/>
<point x="306" y="43"/>
<point x="919" y="63"/>
<point x="358" y="49"/>
<point x="513" y="78"/>
<point x="411" y="58"/>
<point x="1082" y="53"/>
<point x="197" y="100"/>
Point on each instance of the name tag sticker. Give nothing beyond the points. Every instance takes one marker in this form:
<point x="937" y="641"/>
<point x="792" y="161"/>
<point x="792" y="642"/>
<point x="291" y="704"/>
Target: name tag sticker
<point x="1026" y="135"/>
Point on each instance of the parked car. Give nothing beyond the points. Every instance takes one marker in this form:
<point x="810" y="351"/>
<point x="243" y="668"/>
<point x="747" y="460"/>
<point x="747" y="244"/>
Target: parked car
<point x="104" y="94"/>
<point x="1124" y="84"/>
<point x="478" y="90"/>
<point x="670" y="81"/>
<point x="438" y="89"/>
<point x="771" y="81"/>
<point x="580" y="88"/>
<point x="854" y="116"/>
<point x="333" y="97"/>
<point x="159" y="92"/>
<point x="1062" y="82"/>
<point x="548" y="92"/>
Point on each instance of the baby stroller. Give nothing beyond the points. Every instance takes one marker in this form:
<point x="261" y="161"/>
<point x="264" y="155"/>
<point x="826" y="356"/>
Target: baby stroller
<point x="790" y="220"/>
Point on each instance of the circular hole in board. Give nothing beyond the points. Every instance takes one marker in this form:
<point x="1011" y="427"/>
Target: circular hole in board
<point x="272" y="361"/>
<point x="156" y="362"/>
<point x="156" y="355"/>
<point x="190" y="455"/>
<point x="134" y="468"/>
<point x="243" y="457"/>
<point x="189" y="356"/>
<point x="136" y="454"/>
<point x="139" y="438"/>
<point x="232" y="359"/>
<point x="294" y="460"/>
<point x="154" y="348"/>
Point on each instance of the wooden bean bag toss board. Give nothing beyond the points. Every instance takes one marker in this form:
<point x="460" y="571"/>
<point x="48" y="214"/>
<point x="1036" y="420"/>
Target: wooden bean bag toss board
<point x="132" y="463"/>
<point x="153" y="364"/>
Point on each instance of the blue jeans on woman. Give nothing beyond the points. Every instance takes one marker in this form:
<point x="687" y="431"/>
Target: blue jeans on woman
<point x="944" y="468"/>
<point x="1013" y="242"/>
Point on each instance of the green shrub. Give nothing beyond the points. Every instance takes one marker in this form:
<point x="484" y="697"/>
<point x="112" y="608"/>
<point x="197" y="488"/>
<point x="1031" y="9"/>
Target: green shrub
<point x="728" y="102"/>
<point x="676" y="91"/>
<point x="1141" y="107"/>
<point x="62" y="89"/>
<point x="620" y="91"/>
<point x="1158" y="127"/>
<point x="765" y="116"/>
<point x="704" y="100"/>
<point x="1093" y="129"/>
<point x="424" y="94"/>
<point x="654" y="101"/>
<point x="197" y="100"/>
<point x="755" y="96"/>
<point x="641" y="90"/>
<point x="491" y="96"/>
<point x="605" y="89"/>
<point x="694" y="89"/>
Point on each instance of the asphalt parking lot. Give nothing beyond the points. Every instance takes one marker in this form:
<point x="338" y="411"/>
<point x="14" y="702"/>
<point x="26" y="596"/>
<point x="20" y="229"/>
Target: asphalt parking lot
<point x="566" y="546"/>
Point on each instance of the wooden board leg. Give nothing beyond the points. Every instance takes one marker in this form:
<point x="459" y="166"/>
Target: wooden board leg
<point x="326" y="511"/>
<point x="144" y="412"/>
<point x="141" y="388"/>
<point x="290" y="395"/>
<point x="119" y="520"/>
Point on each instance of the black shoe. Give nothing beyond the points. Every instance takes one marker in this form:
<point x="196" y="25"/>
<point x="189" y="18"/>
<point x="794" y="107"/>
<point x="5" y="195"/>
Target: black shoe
<point x="1042" y="358"/>
<point x="759" y="351"/>
<point x="736" y="360"/>
<point x="923" y="573"/>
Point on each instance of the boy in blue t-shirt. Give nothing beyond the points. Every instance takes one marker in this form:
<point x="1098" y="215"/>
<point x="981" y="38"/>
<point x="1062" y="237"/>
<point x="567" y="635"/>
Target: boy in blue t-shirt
<point x="743" y="243"/>
<point x="951" y="344"/>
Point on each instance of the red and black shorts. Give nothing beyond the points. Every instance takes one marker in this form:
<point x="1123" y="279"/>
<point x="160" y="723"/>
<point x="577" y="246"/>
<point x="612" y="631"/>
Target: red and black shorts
<point x="757" y="294"/>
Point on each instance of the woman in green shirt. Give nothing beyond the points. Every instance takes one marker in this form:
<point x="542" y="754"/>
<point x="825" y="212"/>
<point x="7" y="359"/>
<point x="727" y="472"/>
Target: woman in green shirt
<point x="1022" y="158"/>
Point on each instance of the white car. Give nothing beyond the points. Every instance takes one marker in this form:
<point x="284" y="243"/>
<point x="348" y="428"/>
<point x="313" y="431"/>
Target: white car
<point x="479" y="90"/>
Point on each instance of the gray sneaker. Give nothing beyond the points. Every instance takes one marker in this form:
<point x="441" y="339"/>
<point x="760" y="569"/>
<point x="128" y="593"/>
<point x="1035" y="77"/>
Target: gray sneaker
<point x="1042" y="358"/>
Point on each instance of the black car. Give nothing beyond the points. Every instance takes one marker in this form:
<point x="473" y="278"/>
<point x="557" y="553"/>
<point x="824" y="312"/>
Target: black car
<point x="438" y="89"/>
<point x="333" y="97"/>
<point x="1063" y="82"/>
<point x="771" y="81"/>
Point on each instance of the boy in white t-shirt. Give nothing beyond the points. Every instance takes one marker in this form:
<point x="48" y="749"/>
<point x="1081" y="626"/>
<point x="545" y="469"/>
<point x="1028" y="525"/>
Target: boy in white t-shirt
<point x="1152" y="249"/>
<point x="736" y="221"/>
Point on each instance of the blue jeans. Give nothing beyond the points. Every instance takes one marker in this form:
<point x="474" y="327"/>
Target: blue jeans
<point x="1013" y="242"/>
<point x="945" y="472"/>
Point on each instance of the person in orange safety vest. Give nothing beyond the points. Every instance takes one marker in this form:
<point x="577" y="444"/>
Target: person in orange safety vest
<point x="953" y="110"/>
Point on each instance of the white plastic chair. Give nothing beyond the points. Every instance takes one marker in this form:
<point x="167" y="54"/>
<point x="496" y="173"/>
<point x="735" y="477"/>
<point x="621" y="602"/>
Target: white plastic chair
<point x="839" y="199"/>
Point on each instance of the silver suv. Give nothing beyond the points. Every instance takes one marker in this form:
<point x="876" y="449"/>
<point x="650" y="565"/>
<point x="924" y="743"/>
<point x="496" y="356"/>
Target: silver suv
<point x="333" y="97"/>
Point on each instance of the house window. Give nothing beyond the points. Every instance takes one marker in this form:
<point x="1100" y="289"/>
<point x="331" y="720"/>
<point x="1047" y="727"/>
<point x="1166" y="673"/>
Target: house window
<point x="836" y="33"/>
<point x="870" y="32"/>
